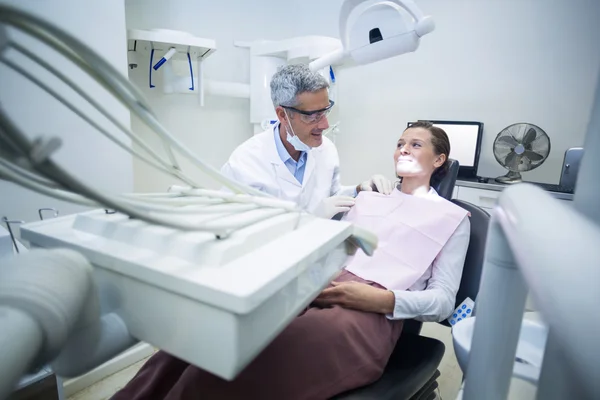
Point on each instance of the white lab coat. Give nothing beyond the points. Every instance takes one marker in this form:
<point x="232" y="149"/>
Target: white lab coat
<point x="256" y="163"/>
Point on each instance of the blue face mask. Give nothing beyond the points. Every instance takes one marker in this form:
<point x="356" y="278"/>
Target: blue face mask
<point x="296" y="143"/>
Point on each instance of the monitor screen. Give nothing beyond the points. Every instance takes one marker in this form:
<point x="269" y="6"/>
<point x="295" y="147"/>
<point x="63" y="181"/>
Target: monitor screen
<point x="465" y="141"/>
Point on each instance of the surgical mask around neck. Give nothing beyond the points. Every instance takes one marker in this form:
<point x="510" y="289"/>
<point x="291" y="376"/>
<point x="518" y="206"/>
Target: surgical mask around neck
<point x="295" y="141"/>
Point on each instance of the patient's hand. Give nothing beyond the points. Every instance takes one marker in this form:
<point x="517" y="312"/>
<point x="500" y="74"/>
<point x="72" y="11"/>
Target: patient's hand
<point x="357" y="296"/>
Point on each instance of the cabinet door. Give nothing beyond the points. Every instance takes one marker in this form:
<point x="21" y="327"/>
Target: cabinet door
<point x="480" y="197"/>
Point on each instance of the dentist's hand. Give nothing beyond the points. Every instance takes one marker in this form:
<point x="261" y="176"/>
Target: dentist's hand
<point x="334" y="205"/>
<point x="378" y="183"/>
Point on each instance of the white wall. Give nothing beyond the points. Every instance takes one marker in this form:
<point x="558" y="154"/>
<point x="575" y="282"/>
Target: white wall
<point x="85" y="153"/>
<point x="212" y="131"/>
<point x="498" y="62"/>
<point x="494" y="61"/>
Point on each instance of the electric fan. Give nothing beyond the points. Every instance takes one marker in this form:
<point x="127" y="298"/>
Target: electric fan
<point x="519" y="148"/>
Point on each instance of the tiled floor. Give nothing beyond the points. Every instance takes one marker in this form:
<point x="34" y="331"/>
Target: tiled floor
<point x="449" y="381"/>
<point x="107" y="387"/>
<point x="451" y="374"/>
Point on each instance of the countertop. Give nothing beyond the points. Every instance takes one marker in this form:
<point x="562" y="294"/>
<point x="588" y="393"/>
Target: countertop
<point x="498" y="187"/>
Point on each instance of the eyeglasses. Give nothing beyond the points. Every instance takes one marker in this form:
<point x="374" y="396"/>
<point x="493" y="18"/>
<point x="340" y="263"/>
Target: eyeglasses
<point x="311" y="117"/>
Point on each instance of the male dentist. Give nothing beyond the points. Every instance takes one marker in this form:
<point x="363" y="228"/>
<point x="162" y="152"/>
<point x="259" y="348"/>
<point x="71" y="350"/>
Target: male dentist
<point x="292" y="160"/>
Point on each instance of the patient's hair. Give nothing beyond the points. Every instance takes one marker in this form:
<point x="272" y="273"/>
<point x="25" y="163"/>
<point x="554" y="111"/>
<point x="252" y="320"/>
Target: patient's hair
<point x="441" y="145"/>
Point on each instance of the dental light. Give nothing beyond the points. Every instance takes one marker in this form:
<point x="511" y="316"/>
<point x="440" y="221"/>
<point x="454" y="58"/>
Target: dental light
<point x="370" y="41"/>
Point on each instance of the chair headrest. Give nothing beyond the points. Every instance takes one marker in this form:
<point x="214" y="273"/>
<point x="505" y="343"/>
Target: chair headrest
<point x="446" y="186"/>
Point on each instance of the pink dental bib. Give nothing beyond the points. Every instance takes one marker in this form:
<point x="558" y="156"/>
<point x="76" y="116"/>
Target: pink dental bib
<point x="411" y="231"/>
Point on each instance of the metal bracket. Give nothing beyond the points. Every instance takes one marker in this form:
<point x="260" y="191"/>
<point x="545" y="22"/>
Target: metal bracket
<point x="47" y="209"/>
<point x="7" y="222"/>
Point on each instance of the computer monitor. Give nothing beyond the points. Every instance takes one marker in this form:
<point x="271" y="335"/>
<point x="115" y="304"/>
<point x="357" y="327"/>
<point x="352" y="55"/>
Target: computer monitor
<point x="465" y="144"/>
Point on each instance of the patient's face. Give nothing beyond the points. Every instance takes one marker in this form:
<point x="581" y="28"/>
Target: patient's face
<point x="415" y="155"/>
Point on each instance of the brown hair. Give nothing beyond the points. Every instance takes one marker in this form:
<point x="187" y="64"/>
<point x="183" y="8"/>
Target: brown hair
<point x="441" y="145"/>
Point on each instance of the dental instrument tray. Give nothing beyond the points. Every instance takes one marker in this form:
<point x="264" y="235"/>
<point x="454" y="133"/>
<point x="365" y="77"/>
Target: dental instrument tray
<point x="215" y="303"/>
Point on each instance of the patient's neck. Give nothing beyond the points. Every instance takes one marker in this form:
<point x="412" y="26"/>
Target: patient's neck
<point x="415" y="185"/>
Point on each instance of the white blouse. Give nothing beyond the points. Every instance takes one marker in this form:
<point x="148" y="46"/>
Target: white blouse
<point x="432" y="297"/>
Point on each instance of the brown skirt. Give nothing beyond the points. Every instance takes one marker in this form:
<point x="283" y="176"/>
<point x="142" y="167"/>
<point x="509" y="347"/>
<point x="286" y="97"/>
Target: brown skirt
<point x="322" y="353"/>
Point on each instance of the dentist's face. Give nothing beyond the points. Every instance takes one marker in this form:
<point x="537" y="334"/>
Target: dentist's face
<point x="308" y="128"/>
<point x="415" y="154"/>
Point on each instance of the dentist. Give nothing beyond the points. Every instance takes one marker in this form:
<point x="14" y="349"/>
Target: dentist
<point x="292" y="160"/>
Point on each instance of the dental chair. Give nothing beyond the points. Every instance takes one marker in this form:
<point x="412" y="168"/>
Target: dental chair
<point x="411" y="372"/>
<point x="446" y="186"/>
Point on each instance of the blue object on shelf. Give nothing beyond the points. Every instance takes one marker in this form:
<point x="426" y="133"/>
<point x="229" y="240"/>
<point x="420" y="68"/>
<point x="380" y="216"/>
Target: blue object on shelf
<point x="191" y="70"/>
<point x="150" y="74"/>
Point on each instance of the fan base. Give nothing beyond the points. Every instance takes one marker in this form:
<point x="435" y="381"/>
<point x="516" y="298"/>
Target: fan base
<point x="510" y="177"/>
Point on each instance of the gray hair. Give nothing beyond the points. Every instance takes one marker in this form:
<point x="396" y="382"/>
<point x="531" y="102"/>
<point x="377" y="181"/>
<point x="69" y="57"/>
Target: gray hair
<point x="292" y="80"/>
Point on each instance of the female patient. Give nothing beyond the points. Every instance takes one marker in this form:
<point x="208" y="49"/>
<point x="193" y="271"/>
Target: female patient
<point x="344" y="340"/>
